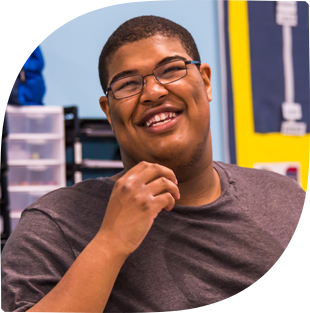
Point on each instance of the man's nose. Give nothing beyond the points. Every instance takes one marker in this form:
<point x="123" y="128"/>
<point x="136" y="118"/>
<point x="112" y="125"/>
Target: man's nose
<point x="152" y="89"/>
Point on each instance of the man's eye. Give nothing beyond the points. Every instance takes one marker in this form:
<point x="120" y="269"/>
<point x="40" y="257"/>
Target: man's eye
<point x="171" y="72"/>
<point x="127" y="84"/>
<point x="172" y="69"/>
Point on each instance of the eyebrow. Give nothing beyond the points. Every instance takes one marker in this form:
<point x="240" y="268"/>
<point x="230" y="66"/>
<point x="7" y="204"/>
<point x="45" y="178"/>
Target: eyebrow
<point x="169" y="59"/>
<point x="123" y="74"/>
<point x="132" y="72"/>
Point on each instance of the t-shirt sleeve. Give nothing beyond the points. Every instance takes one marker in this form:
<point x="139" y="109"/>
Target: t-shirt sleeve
<point x="34" y="259"/>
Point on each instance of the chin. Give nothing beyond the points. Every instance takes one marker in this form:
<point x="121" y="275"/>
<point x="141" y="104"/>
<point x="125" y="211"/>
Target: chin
<point x="169" y="153"/>
<point x="177" y="159"/>
<point x="178" y="155"/>
<point x="184" y="162"/>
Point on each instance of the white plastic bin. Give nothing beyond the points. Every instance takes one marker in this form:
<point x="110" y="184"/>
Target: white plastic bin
<point x="33" y="123"/>
<point x="34" y="175"/>
<point x="35" y="120"/>
<point x="33" y="149"/>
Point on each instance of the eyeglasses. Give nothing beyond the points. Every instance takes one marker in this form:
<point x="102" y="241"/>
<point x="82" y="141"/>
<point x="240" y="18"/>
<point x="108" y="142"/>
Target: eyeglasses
<point x="129" y="86"/>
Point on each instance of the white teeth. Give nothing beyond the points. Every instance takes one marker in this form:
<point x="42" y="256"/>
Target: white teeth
<point x="161" y="118"/>
<point x="163" y="122"/>
<point x="159" y="123"/>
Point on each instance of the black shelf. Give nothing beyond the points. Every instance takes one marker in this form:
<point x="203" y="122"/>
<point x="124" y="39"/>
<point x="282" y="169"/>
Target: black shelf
<point x="5" y="213"/>
<point x="3" y="122"/>
<point x="91" y="147"/>
<point x="3" y="242"/>
<point x="4" y="200"/>
<point x="94" y="128"/>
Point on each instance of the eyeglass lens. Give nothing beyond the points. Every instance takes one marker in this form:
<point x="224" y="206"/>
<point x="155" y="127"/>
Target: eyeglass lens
<point x="165" y="74"/>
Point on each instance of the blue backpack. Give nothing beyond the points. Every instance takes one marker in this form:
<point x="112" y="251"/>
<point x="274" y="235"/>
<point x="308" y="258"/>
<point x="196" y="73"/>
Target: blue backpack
<point x="21" y="60"/>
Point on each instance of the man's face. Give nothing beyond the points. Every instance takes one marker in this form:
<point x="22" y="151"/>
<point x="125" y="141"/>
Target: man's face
<point x="184" y="104"/>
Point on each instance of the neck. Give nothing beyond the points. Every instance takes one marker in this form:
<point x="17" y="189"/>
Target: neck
<point x="199" y="182"/>
<point x="201" y="189"/>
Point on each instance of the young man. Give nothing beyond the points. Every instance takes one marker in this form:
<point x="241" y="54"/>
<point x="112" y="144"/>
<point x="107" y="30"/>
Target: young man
<point x="174" y="230"/>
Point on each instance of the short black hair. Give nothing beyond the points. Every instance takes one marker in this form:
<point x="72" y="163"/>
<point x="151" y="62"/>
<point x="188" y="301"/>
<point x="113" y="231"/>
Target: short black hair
<point x="143" y="27"/>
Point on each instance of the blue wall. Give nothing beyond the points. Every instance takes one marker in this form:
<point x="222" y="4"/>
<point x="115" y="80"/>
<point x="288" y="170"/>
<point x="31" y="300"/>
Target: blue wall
<point x="71" y="54"/>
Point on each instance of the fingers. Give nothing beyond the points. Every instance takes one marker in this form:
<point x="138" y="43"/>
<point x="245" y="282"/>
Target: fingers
<point x="162" y="185"/>
<point x="164" y="201"/>
<point x="136" y="200"/>
<point x="148" y="172"/>
<point x="152" y="179"/>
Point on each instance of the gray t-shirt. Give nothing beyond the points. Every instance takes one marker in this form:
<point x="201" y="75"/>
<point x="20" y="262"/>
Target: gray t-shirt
<point x="192" y="256"/>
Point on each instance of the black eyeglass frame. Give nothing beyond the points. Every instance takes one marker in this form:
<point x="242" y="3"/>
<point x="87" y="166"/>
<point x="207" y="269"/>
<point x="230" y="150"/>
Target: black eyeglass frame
<point x="186" y="63"/>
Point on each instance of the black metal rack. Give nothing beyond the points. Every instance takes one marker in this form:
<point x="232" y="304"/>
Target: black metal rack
<point x="4" y="200"/>
<point x="91" y="147"/>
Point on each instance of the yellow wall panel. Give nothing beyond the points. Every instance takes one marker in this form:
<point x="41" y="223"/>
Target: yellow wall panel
<point x="254" y="147"/>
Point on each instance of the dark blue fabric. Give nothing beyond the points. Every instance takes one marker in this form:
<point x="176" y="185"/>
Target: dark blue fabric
<point x="22" y="46"/>
<point x="267" y="64"/>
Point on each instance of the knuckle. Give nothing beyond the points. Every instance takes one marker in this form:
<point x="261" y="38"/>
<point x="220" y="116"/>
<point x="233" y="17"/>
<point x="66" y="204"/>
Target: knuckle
<point x="163" y="180"/>
<point x="142" y="202"/>
<point x="127" y="186"/>
<point x="170" y="199"/>
<point x="119" y="183"/>
<point x="144" y="164"/>
<point x="155" y="166"/>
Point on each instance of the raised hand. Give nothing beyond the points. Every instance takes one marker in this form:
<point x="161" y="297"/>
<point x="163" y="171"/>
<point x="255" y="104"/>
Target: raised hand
<point x="135" y="202"/>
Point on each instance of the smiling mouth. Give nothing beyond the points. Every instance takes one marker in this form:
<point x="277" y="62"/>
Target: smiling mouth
<point x="160" y="119"/>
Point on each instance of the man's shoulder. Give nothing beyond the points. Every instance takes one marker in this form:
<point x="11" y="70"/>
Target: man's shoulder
<point x="86" y="187"/>
<point x="258" y="177"/>
<point x="240" y="170"/>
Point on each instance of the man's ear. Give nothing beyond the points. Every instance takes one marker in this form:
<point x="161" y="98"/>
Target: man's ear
<point x="205" y="71"/>
<point x="104" y="104"/>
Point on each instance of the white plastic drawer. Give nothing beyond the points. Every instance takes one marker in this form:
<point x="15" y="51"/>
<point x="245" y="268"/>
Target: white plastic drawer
<point x="33" y="149"/>
<point x="33" y="123"/>
<point x="20" y="200"/>
<point x="33" y="175"/>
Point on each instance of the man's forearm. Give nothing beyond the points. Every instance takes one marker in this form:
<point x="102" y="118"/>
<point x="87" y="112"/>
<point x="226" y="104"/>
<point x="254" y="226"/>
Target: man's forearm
<point x="87" y="285"/>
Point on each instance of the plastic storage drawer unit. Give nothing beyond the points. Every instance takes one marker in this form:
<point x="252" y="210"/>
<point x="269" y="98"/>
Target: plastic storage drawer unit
<point x="33" y="149"/>
<point x="34" y="175"/>
<point x="33" y="123"/>
<point x="36" y="154"/>
<point x="34" y="120"/>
